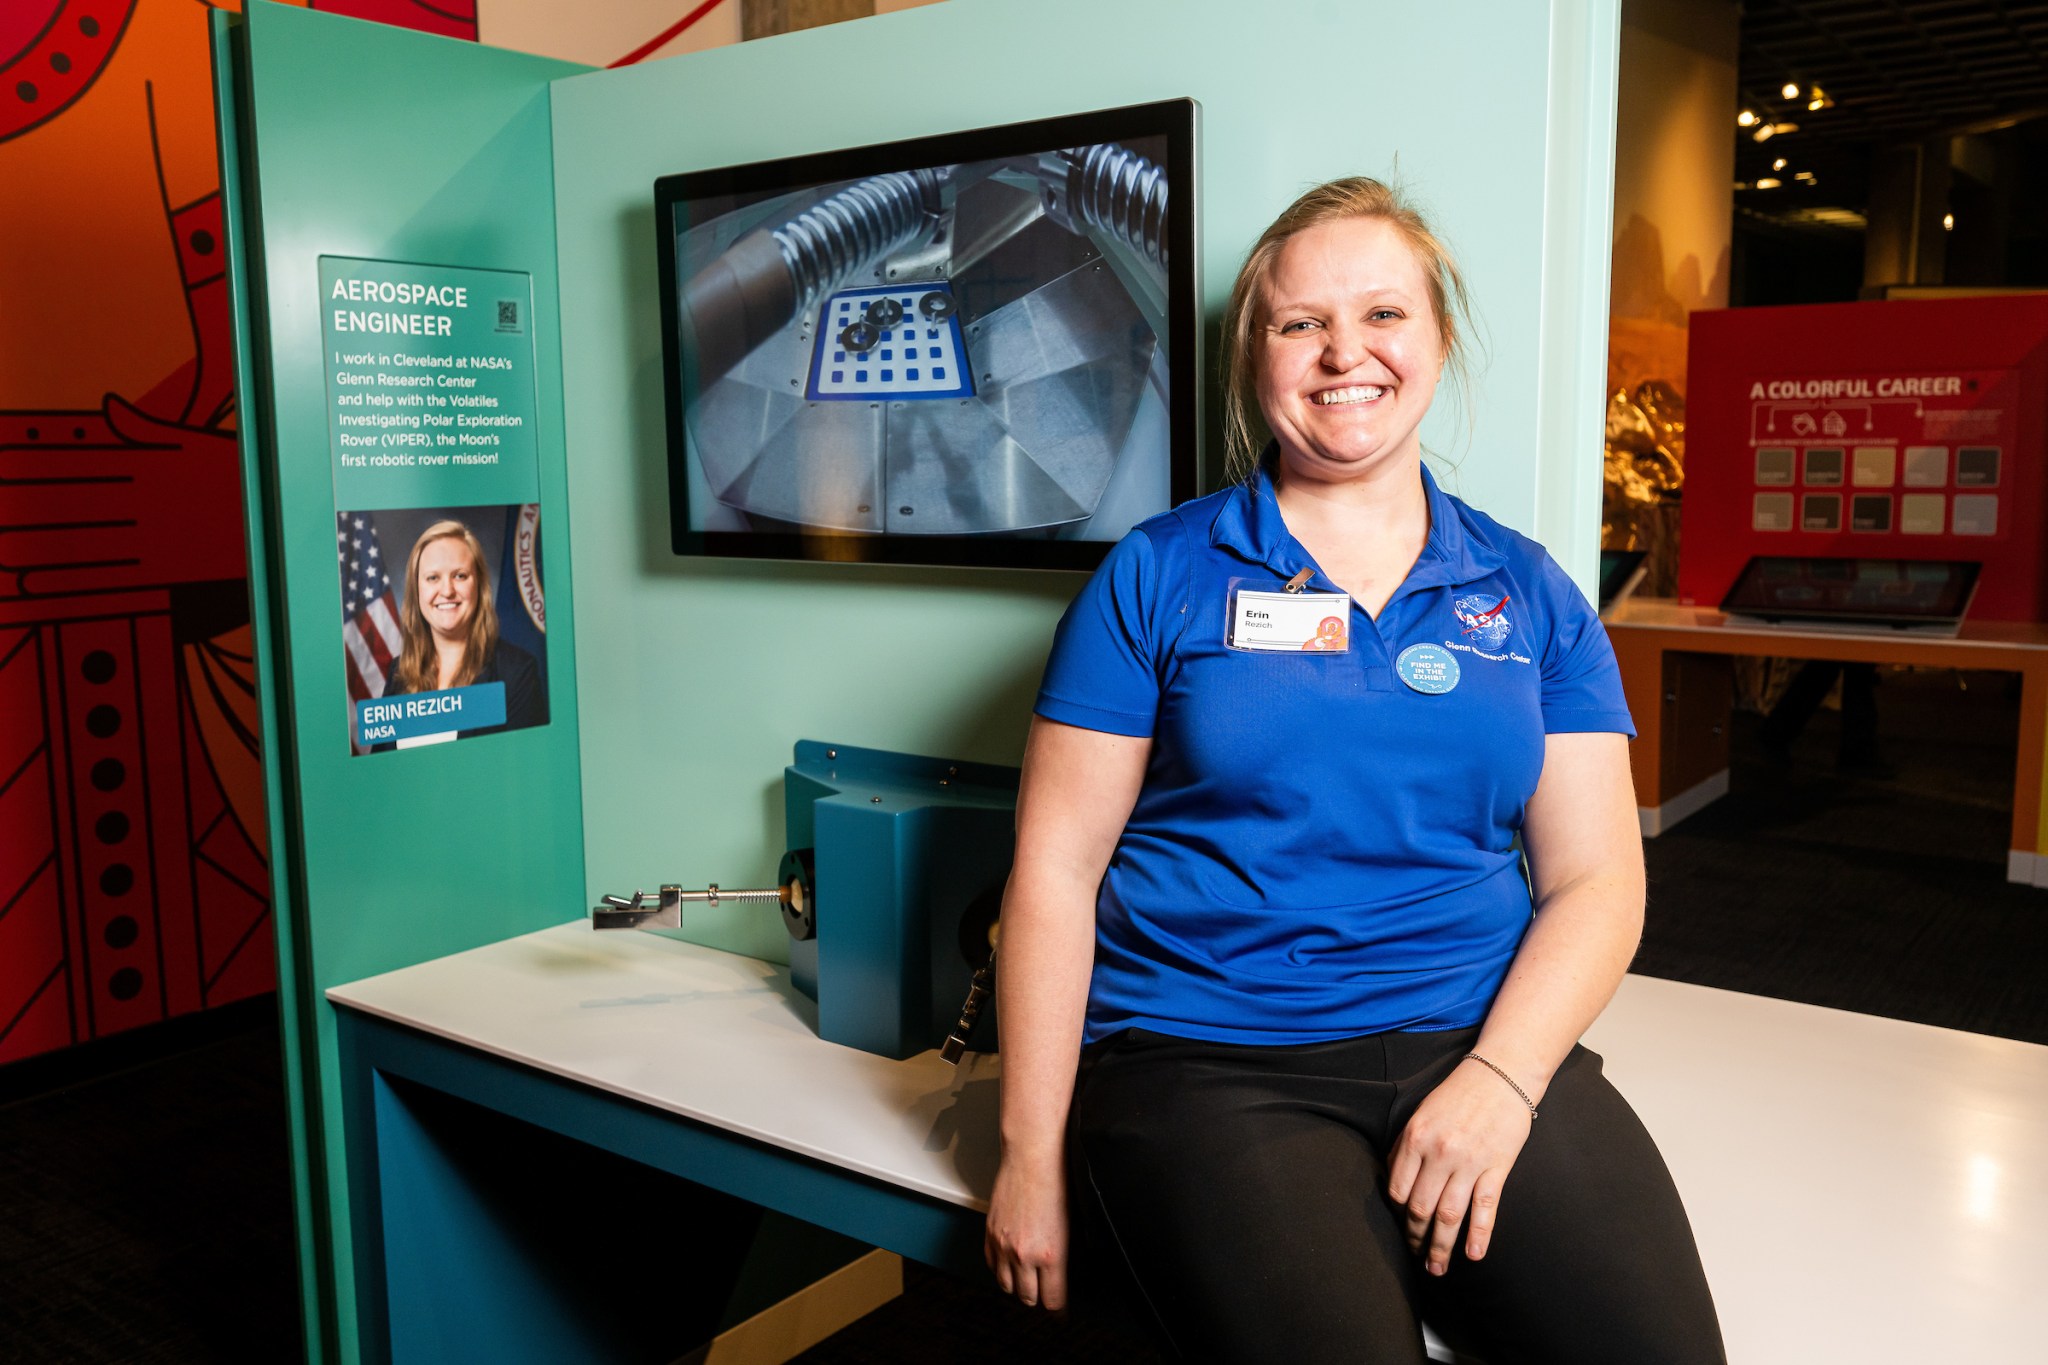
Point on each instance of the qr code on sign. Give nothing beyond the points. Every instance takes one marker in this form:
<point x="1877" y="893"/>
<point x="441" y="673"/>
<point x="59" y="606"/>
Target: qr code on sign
<point x="508" y="315"/>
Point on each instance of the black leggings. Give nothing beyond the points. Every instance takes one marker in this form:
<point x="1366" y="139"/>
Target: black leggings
<point x="1245" y="1188"/>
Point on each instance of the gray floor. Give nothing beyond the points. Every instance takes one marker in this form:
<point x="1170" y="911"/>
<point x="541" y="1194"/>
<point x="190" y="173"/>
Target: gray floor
<point x="146" y="1196"/>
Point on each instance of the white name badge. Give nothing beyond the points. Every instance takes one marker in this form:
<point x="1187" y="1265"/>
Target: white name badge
<point x="1290" y="622"/>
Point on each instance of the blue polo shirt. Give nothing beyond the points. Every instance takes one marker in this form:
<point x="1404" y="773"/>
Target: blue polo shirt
<point x="1319" y="850"/>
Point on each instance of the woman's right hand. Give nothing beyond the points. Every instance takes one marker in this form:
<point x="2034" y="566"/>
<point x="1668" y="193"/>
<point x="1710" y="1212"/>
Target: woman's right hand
<point x="1026" y="1241"/>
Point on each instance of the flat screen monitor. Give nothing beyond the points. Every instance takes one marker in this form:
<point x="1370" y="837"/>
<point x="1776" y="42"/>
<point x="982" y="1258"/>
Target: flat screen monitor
<point x="974" y="348"/>
<point x="1927" y="594"/>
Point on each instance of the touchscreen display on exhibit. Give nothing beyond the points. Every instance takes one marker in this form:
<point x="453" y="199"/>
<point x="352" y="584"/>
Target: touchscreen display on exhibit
<point x="1900" y="589"/>
<point x="918" y="358"/>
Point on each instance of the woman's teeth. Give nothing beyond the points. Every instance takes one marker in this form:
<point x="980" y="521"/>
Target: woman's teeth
<point x="1358" y="393"/>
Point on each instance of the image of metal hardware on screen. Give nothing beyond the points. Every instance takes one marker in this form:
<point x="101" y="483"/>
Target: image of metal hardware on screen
<point x="962" y="350"/>
<point x="890" y="890"/>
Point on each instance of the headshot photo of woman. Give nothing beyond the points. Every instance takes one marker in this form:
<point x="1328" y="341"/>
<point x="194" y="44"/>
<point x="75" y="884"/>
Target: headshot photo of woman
<point x="1299" y="943"/>
<point x="448" y="618"/>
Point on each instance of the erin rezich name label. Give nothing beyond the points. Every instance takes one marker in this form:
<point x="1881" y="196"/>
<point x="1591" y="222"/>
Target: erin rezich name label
<point x="385" y="720"/>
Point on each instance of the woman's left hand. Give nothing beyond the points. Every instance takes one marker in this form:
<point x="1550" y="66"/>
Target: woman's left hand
<point x="1451" y="1161"/>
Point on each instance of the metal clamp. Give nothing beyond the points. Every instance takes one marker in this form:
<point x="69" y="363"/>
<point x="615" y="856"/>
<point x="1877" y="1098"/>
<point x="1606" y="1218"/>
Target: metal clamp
<point x="620" y="912"/>
<point x="666" y="912"/>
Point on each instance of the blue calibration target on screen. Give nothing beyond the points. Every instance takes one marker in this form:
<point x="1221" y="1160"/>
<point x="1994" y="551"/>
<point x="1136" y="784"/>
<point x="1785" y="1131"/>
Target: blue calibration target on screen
<point x="896" y="342"/>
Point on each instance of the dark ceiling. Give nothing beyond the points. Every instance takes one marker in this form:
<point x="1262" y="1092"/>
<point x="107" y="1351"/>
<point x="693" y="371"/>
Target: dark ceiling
<point x="1897" y="70"/>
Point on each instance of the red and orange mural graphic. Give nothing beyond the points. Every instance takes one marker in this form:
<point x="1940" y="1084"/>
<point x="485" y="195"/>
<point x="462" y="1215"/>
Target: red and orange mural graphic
<point x="134" y="857"/>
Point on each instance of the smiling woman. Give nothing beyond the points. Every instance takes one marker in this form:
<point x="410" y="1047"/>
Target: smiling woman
<point x="451" y="624"/>
<point x="1279" y="997"/>
<point x="450" y="636"/>
<point x="1405" y="257"/>
<point x="1348" y="349"/>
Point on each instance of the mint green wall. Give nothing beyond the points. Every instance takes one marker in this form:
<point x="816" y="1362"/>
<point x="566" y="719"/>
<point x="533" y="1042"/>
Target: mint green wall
<point x="697" y="675"/>
<point x="370" y="141"/>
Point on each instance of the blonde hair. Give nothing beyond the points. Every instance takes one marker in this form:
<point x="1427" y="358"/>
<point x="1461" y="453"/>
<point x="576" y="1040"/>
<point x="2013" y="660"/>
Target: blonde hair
<point x="1355" y="196"/>
<point x="419" y="667"/>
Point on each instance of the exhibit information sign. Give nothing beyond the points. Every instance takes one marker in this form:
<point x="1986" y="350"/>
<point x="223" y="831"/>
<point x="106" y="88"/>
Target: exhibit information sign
<point x="431" y="429"/>
<point x="1889" y="430"/>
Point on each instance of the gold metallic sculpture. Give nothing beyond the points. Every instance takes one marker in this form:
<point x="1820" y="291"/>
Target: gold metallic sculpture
<point x="1645" y="473"/>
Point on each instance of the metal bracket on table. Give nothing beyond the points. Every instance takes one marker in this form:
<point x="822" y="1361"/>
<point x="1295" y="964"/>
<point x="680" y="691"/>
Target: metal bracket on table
<point x="665" y="910"/>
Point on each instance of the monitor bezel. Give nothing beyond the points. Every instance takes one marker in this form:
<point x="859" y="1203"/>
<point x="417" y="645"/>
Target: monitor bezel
<point x="1177" y="120"/>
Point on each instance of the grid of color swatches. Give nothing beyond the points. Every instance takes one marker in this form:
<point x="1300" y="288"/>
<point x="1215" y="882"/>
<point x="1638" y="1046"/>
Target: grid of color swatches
<point x="1877" y="490"/>
<point x="898" y="342"/>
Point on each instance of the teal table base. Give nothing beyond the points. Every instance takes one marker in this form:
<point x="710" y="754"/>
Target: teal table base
<point x="506" y="1214"/>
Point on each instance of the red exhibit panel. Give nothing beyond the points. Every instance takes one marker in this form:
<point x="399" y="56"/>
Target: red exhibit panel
<point x="129" y="892"/>
<point x="1898" y="430"/>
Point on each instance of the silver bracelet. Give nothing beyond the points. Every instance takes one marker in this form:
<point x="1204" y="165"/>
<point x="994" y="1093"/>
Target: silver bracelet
<point x="1475" y="1057"/>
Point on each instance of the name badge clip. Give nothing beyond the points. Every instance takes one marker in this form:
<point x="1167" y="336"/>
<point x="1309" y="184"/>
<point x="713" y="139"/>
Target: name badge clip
<point x="1289" y="621"/>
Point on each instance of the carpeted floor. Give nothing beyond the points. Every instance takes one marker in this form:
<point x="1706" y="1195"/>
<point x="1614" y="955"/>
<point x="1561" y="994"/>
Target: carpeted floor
<point x="147" y="1200"/>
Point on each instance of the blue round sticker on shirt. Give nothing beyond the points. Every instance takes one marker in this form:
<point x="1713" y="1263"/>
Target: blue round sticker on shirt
<point x="1429" y="669"/>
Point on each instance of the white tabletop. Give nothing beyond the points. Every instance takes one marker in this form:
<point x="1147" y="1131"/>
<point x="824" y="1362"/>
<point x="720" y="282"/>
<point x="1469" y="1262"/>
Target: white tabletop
<point x="1862" y="1189"/>
<point x="712" y="1036"/>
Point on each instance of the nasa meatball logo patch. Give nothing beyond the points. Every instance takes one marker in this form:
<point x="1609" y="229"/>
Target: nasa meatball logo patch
<point x="1484" y="617"/>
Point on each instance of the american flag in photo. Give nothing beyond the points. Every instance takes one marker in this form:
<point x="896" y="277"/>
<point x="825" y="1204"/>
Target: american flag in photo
<point x="369" y="610"/>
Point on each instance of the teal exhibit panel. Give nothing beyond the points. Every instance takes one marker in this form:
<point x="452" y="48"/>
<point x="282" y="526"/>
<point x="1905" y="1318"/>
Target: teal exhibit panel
<point x="455" y="450"/>
<point x="393" y="234"/>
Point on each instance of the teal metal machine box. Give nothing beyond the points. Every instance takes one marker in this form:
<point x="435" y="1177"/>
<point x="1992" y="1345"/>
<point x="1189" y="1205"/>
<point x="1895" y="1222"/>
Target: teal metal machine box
<point x="890" y="890"/>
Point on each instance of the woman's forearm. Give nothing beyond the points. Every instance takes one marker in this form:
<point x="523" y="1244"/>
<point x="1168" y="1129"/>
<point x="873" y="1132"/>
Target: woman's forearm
<point x="1048" y="946"/>
<point x="1585" y="853"/>
<point x="1076" y="793"/>
<point x="1576" y="951"/>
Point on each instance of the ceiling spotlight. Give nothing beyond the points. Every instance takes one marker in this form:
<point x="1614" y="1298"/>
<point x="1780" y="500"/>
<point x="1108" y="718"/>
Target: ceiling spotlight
<point x="1765" y="132"/>
<point x="1779" y="164"/>
<point x="1791" y="90"/>
<point x="1746" y="119"/>
<point x="1817" y="99"/>
<point x="1769" y="182"/>
<point x="1805" y="177"/>
<point x="1948" y="222"/>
